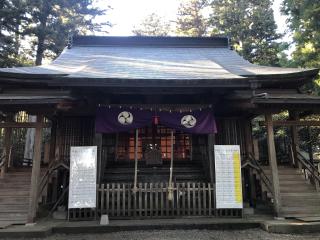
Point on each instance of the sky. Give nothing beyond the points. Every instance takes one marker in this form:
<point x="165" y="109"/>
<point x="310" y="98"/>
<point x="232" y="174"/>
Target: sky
<point x="127" y="13"/>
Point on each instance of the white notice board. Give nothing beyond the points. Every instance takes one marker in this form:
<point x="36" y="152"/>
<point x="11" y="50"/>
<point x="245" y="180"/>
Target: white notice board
<point x="228" y="176"/>
<point x="83" y="177"/>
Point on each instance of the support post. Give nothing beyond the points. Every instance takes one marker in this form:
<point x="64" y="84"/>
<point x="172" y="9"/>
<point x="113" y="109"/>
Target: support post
<point x="249" y="153"/>
<point x="248" y="136"/>
<point x="35" y="175"/>
<point x="294" y="135"/>
<point x="273" y="164"/>
<point x="135" y="188"/>
<point x="211" y="141"/>
<point x="101" y="165"/>
<point x="53" y="139"/>
<point x="310" y="151"/>
<point x="170" y="185"/>
<point x="7" y="148"/>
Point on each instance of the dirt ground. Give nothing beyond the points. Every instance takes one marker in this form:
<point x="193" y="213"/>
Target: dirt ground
<point x="251" y="234"/>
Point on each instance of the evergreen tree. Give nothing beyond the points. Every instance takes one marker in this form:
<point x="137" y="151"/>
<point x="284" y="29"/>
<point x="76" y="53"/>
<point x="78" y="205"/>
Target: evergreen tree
<point x="304" y="22"/>
<point x="11" y="18"/>
<point x="191" y="20"/>
<point x="52" y="20"/>
<point x="152" y="25"/>
<point x="251" y="27"/>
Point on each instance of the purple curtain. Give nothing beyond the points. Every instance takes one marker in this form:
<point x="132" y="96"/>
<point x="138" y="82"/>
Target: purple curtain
<point x="111" y="120"/>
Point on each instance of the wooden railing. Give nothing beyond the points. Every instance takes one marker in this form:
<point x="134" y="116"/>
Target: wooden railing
<point x="310" y="172"/>
<point x="46" y="176"/>
<point x="5" y="162"/>
<point x="2" y="160"/>
<point x="150" y="200"/>
<point x="252" y="163"/>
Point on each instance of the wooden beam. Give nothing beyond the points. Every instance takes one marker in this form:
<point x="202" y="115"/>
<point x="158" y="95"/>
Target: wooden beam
<point x="35" y="175"/>
<point x="273" y="164"/>
<point x="288" y="123"/>
<point x="24" y="125"/>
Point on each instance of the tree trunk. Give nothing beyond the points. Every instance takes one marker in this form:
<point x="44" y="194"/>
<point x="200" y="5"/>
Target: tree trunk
<point x="41" y="34"/>
<point x="40" y="50"/>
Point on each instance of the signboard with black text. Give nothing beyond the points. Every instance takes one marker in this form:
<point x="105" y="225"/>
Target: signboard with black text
<point x="83" y="177"/>
<point x="228" y="176"/>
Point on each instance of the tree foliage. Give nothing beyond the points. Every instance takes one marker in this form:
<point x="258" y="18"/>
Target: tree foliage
<point x="52" y="20"/>
<point x="12" y="18"/>
<point x="304" y="22"/>
<point x="251" y="27"/>
<point x="152" y="25"/>
<point x="44" y="25"/>
<point x="191" y="20"/>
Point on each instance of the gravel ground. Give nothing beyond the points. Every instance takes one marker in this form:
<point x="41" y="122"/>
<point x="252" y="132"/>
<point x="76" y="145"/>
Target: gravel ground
<point x="256" y="234"/>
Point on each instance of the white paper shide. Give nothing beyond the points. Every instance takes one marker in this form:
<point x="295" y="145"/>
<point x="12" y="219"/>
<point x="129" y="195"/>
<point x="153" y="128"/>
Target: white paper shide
<point x="83" y="177"/>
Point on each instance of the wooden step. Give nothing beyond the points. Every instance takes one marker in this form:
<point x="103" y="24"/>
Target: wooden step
<point x="299" y="215"/>
<point x="298" y="197"/>
<point x="301" y="210"/>
<point x="13" y="215"/>
<point x="297" y="188"/>
<point x="150" y="171"/>
<point x="13" y="208"/>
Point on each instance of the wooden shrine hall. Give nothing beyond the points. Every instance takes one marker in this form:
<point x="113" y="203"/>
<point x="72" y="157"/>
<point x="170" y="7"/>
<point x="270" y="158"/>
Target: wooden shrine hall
<point x="155" y="108"/>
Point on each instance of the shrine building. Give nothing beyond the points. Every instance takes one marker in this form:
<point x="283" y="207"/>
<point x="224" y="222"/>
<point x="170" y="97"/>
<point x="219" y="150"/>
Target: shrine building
<point x="163" y="114"/>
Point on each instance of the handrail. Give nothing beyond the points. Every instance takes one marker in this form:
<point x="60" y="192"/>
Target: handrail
<point x="59" y="200"/>
<point x="312" y="169"/>
<point x="307" y="165"/>
<point x="253" y="163"/>
<point x="45" y="178"/>
<point x="2" y="160"/>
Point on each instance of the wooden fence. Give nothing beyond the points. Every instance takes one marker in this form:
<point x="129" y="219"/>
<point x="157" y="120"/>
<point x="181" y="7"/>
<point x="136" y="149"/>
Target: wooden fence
<point x="150" y="200"/>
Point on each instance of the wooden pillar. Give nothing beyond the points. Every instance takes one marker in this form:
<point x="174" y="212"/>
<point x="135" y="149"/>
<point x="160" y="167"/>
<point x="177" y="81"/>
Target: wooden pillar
<point x="294" y="135"/>
<point x="249" y="152"/>
<point x="273" y="163"/>
<point x="7" y="150"/>
<point x="248" y="136"/>
<point x="211" y="140"/>
<point x="53" y="139"/>
<point x="310" y="151"/>
<point x="35" y="175"/>
<point x="101" y="165"/>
